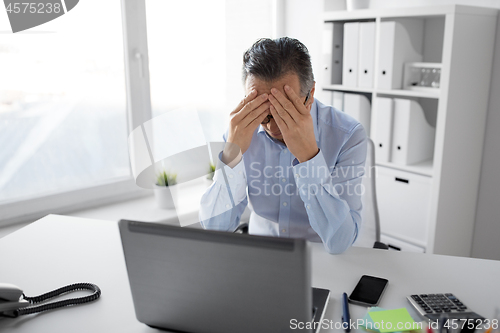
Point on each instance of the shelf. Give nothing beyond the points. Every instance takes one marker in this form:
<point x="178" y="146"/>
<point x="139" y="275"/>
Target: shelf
<point x="409" y="93"/>
<point x="340" y="87"/>
<point x="423" y="168"/>
<point x="398" y="92"/>
<point x="421" y="12"/>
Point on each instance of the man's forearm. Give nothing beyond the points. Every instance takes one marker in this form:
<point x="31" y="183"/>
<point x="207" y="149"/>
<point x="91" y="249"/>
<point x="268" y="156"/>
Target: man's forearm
<point x="224" y="202"/>
<point x="334" y="217"/>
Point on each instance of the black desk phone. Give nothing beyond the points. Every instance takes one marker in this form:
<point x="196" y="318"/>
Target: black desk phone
<point x="14" y="303"/>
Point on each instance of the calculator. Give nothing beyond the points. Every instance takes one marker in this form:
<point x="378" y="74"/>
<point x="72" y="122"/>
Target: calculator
<point x="433" y="306"/>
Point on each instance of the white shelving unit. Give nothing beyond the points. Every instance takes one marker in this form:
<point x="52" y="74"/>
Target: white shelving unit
<point x="445" y="191"/>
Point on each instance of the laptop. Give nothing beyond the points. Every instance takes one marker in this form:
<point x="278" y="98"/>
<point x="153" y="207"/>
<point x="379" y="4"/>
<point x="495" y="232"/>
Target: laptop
<point x="192" y="280"/>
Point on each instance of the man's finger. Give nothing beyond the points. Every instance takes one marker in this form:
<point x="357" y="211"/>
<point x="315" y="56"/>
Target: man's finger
<point x="257" y="121"/>
<point x="255" y="114"/>
<point x="284" y="114"/>
<point x="279" y="120"/>
<point x="285" y="103"/>
<point x="296" y="100"/>
<point x="244" y="101"/>
<point x="250" y="106"/>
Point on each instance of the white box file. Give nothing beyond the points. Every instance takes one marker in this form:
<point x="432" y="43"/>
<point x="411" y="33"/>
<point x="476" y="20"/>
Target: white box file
<point x="338" y="100"/>
<point x="333" y="34"/>
<point x="366" y="54"/>
<point x="350" y="54"/>
<point x="413" y="137"/>
<point x="358" y="107"/>
<point x="404" y="202"/>
<point x="401" y="41"/>
<point x="381" y="128"/>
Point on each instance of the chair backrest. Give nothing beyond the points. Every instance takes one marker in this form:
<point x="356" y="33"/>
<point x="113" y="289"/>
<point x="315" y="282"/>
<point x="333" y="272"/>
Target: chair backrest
<point x="369" y="232"/>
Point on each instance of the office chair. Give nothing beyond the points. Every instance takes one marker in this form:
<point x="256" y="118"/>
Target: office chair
<point x="242" y="228"/>
<point x="369" y="234"/>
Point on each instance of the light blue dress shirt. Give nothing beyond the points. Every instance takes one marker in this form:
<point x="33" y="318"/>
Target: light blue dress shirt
<point x="319" y="199"/>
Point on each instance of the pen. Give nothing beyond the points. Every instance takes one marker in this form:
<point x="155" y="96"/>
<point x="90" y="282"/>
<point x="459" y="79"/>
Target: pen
<point x="346" y="318"/>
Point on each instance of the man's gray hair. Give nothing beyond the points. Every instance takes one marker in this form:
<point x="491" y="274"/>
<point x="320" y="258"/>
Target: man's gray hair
<point x="270" y="59"/>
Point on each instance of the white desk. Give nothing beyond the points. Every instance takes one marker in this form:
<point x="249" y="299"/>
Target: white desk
<point x="59" y="250"/>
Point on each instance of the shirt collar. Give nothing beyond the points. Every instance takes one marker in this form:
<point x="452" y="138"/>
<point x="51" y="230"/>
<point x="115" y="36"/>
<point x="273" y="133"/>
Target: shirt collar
<point x="314" y="115"/>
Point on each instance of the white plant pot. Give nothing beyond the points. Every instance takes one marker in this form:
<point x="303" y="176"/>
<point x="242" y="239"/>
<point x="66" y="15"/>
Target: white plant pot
<point x="357" y="4"/>
<point x="164" y="196"/>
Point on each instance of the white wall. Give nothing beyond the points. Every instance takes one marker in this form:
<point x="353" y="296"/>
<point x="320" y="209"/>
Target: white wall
<point x="303" y="20"/>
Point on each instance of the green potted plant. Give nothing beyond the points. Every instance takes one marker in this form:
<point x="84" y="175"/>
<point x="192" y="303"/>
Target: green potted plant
<point x="211" y="171"/>
<point x="165" y="189"/>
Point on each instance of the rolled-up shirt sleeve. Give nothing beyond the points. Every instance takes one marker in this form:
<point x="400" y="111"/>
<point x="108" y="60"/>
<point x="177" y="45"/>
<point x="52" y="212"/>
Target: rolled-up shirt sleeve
<point x="225" y="200"/>
<point x="332" y="198"/>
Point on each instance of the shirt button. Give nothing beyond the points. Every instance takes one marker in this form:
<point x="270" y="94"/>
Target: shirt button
<point x="285" y="151"/>
<point x="308" y="206"/>
<point x="297" y="175"/>
<point x="228" y="206"/>
<point x="240" y="173"/>
<point x="283" y="180"/>
<point x="283" y="230"/>
<point x="231" y="176"/>
<point x="285" y="203"/>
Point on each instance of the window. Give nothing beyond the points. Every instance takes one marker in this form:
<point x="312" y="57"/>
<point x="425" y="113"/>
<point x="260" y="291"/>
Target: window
<point x="63" y="123"/>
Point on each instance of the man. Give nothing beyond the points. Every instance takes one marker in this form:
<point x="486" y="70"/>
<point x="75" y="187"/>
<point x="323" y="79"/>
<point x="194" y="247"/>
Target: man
<point x="300" y="161"/>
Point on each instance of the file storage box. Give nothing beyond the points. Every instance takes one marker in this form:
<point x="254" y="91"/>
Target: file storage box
<point x="400" y="41"/>
<point x="422" y="76"/>
<point x="350" y="55"/>
<point x="413" y="137"/>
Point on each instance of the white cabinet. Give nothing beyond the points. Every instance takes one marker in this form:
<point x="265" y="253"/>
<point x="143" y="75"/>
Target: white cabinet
<point x="435" y="210"/>
<point x="399" y="245"/>
<point x="404" y="200"/>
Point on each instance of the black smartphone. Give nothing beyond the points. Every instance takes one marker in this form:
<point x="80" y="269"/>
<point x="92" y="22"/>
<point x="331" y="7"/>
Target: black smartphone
<point x="368" y="291"/>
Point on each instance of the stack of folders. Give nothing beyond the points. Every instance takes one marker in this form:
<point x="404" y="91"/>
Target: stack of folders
<point x="358" y="54"/>
<point x="400" y="132"/>
<point x="349" y="52"/>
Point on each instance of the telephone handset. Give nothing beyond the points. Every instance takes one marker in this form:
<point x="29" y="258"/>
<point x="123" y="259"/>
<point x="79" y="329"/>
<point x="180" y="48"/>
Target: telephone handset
<point x="10" y="297"/>
<point x="14" y="303"/>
